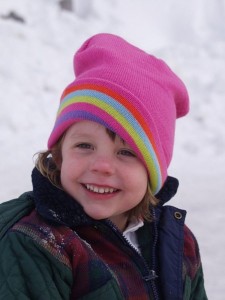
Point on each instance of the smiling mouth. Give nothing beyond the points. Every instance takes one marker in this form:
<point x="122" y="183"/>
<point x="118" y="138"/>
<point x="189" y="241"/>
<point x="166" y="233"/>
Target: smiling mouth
<point x="100" y="189"/>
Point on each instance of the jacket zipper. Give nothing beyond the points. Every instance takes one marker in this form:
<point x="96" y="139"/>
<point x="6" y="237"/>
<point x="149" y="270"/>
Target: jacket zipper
<point x="150" y="274"/>
<point x="153" y="284"/>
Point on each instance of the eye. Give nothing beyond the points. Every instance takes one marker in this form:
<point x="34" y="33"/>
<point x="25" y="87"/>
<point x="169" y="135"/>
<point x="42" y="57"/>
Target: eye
<point x="126" y="152"/>
<point x="84" y="146"/>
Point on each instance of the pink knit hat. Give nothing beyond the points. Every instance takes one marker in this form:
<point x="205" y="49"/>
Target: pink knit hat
<point x="132" y="93"/>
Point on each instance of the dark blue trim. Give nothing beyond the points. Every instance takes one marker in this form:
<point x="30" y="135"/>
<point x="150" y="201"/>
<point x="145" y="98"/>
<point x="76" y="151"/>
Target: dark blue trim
<point x="171" y="240"/>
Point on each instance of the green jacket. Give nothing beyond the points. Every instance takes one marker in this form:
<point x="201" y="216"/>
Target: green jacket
<point x="42" y="257"/>
<point x="28" y="270"/>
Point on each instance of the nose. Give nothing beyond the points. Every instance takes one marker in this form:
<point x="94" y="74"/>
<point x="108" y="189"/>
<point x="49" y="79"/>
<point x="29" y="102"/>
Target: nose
<point x="103" y="164"/>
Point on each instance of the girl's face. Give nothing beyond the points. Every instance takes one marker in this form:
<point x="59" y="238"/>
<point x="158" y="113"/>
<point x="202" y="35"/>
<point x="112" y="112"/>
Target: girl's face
<point x="103" y="175"/>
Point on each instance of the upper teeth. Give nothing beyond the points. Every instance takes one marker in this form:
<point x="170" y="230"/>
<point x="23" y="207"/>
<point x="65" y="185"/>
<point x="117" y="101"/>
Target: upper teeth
<point x="100" y="190"/>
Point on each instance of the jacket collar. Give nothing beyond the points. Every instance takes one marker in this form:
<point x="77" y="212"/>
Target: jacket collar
<point x="168" y="190"/>
<point x="56" y="205"/>
<point x="59" y="207"/>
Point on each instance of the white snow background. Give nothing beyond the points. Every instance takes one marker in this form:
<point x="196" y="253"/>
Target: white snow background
<point x="36" y="64"/>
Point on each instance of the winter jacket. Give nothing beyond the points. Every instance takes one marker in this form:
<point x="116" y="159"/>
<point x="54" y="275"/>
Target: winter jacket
<point x="50" y="249"/>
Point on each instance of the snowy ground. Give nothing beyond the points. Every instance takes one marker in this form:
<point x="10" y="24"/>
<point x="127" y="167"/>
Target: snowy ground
<point x="36" y="64"/>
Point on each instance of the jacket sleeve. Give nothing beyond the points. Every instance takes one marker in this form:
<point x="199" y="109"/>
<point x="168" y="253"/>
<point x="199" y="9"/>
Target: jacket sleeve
<point x="194" y="283"/>
<point x="198" y="290"/>
<point x="28" y="271"/>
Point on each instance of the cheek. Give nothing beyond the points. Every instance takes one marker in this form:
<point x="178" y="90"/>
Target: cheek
<point x="68" y="178"/>
<point x="143" y="180"/>
<point x="71" y="169"/>
<point x="142" y="186"/>
<point x="63" y="175"/>
<point x="137" y="181"/>
<point x="66" y="171"/>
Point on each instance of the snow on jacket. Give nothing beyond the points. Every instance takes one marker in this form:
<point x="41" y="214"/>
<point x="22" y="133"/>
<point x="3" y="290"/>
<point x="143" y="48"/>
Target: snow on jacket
<point x="50" y="249"/>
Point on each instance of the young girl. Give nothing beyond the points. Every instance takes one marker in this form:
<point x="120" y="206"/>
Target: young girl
<point x="95" y="225"/>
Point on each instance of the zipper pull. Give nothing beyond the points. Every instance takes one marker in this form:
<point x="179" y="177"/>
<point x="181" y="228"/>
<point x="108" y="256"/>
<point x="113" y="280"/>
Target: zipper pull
<point x="152" y="275"/>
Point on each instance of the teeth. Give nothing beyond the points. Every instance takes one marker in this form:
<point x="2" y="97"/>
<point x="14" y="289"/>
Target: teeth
<point x="100" y="190"/>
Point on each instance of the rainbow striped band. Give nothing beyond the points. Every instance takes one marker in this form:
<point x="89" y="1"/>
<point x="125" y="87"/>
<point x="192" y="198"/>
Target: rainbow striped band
<point x="102" y="105"/>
